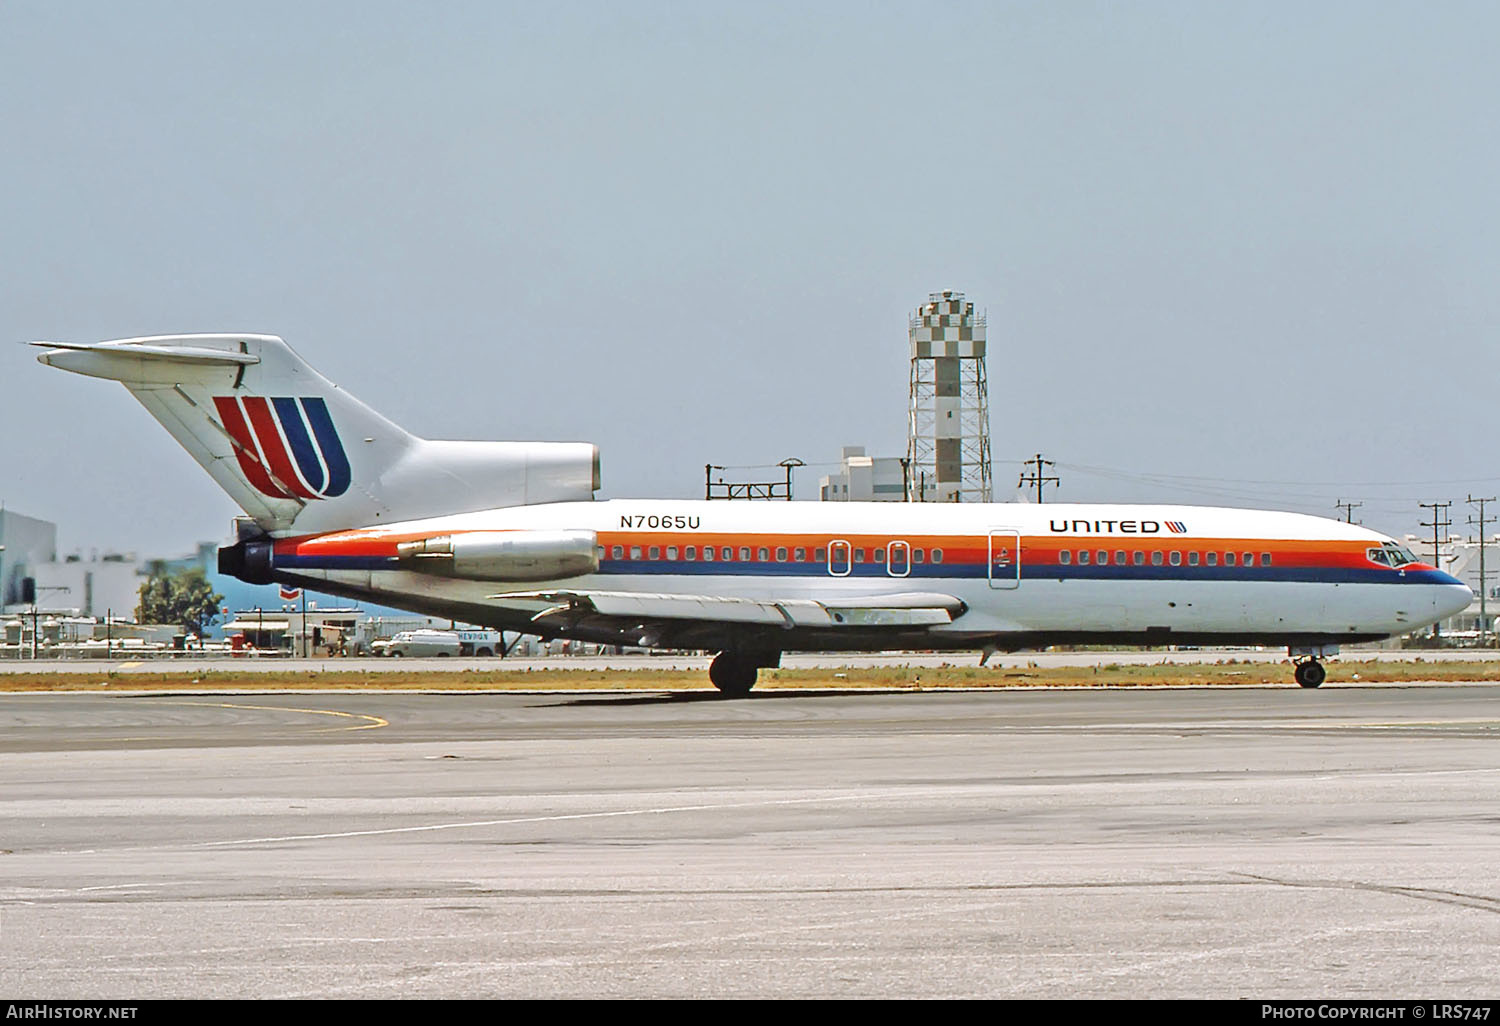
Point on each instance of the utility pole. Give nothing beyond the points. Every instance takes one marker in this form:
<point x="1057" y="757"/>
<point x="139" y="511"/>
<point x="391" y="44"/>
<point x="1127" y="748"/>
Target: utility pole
<point x="1348" y="508"/>
<point x="1441" y="522"/>
<point x="1480" y="521"/>
<point x="1039" y="476"/>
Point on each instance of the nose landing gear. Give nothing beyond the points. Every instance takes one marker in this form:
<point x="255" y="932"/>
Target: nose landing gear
<point x="1310" y="673"/>
<point x="1309" y="659"/>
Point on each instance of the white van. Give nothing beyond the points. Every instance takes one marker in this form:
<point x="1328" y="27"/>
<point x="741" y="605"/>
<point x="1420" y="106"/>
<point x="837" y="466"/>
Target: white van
<point x="417" y="644"/>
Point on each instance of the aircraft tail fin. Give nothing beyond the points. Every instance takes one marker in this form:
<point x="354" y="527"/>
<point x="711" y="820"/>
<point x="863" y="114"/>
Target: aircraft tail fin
<point x="301" y="455"/>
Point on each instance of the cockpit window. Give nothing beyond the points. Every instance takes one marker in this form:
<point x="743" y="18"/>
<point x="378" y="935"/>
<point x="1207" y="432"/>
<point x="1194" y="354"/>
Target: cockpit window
<point x="1402" y="555"/>
<point x="1391" y="554"/>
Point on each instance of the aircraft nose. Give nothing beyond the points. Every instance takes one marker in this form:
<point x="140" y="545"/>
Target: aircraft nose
<point x="1453" y="598"/>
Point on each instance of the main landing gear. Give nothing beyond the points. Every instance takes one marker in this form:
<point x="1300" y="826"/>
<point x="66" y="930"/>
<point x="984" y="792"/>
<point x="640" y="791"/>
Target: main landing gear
<point x="1310" y="673"/>
<point x="733" y="676"/>
<point x="734" y="673"/>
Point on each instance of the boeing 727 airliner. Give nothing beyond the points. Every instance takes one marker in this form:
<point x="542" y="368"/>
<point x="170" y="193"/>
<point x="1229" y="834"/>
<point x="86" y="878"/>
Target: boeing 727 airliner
<point x="508" y="534"/>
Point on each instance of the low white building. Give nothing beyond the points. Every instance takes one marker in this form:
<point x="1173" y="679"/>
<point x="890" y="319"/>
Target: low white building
<point x="1462" y="559"/>
<point x="25" y="543"/>
<point x="864" y="479"/>
<point x="108" y="585"/>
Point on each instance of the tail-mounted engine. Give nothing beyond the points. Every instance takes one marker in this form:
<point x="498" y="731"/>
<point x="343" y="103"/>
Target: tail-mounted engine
<point x="503" y="555"/>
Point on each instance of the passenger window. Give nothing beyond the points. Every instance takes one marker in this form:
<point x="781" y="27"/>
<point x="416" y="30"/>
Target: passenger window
<point x="744" y="555"/>
<point x="1192" y="559"/>
<point x="1265" y="559"/>
<point x="635" y="552"/>
<point x="937" y="555"/>
<point x="765" y="555"/>
<point x="1229" y="559"/>
<point x="859" y="555"/>
<point x="780" y="555"/>
<point x="1138" y="557"/>
<point x="919" y="555"/>
<point x="1065" y="557"/>
<point x="1120" y="557"/>
<point x="690" y="553"/>
<point x="727" y="553"/>
<point x="1248" y="559"/>
<point x="1083" y="557"/>
<point x="1175" y="559"/>
<point x="708" y="553"/>
<point x="1156" y="558"/>
<point x="1212" y="559"/>
<point x="880" y="555"/>
<point x="1103" y="555"/>
<point x="672" y="552"/>
<point x="656" y="552"/>
<point x="821" y="555"/>
<point x="618" y="552"/>
<point x="800" y="554"/>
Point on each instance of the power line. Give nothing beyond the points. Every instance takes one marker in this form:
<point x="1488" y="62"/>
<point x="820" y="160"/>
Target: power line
<point x="1481" y="520"/>
<point x="1038" y="477"/>
<point x="1348" y="508"/>
<point x="1439" y="521"/>
<point x="1149" y="475"/>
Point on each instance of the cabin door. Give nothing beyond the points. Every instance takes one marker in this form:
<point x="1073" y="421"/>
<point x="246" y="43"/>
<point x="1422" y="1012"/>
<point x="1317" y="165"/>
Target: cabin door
<point x="1005" y="559"/>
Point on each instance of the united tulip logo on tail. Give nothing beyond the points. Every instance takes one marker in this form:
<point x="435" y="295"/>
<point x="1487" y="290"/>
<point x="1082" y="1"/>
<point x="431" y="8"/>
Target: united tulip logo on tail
<point x="287" y="448"/>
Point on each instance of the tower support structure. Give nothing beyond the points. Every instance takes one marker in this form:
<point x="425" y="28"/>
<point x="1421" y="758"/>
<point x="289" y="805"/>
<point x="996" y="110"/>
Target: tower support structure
<point x="948" y="415"/>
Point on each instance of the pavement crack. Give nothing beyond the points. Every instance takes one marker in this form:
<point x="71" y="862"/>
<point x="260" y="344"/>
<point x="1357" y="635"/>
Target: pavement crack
<point x="1481" y="902"/>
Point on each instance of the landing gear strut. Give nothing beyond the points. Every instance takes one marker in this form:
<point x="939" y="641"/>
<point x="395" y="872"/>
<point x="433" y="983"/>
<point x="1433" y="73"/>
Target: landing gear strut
<point x="1310" y="673"/>
<point x="732" y="674"/>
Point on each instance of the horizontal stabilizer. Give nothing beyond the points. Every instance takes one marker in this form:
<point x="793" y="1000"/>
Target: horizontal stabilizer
<point x="101" y="358"/>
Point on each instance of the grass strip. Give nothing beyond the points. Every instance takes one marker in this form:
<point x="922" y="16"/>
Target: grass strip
<point x="1227" y="673"/>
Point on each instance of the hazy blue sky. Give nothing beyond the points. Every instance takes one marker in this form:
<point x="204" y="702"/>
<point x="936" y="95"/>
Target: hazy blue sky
<point x="1254" y="243"/>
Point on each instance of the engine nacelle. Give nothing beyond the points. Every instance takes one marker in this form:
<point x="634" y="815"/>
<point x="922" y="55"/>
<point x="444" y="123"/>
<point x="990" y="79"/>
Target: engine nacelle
<point x="503" y="555"/>
<point x="249" y="560"/>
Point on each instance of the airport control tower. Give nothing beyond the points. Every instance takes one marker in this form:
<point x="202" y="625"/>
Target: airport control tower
<point x="948" y="422"/>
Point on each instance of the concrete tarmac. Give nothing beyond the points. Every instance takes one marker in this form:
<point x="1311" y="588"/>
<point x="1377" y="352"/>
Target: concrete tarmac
<point x="1136" y="843"/>
<point x="188" y="663"/>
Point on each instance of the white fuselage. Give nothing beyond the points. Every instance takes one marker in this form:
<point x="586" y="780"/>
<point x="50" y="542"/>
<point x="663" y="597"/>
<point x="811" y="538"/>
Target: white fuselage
<point x="1025" y="574"/>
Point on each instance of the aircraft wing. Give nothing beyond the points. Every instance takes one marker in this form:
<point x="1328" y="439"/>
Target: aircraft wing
<point x="633" y="609"/>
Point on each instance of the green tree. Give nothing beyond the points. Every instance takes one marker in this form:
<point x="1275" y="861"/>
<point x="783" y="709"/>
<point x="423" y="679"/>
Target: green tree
<point x="183" y="598"/>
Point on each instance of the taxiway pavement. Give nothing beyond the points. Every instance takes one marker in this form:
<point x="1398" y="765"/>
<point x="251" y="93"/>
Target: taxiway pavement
<point x="1186" y="842"/>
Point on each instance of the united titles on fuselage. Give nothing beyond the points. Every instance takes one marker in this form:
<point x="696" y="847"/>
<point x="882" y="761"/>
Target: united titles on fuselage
<point x="1115" y="526"/>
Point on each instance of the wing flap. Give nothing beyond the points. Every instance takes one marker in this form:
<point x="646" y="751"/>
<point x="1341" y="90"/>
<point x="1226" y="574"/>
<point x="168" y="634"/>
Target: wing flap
<point x="910" y="609"/>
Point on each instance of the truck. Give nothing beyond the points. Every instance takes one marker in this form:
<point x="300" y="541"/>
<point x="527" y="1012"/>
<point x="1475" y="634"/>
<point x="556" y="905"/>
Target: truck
<point x="478" y="642"/>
